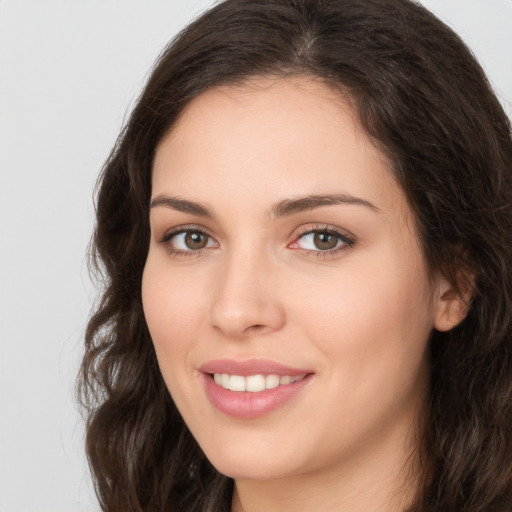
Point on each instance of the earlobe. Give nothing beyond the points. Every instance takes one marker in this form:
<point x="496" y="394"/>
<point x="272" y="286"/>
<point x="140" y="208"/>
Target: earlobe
<point x="453" y="302"/>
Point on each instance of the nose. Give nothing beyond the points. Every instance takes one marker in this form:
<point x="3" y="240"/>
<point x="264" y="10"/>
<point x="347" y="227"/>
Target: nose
<point x="245" y="299"/>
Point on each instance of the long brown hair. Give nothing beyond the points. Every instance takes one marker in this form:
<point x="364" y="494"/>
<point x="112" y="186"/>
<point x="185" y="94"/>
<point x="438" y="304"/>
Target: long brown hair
<point x="425" y="102"/>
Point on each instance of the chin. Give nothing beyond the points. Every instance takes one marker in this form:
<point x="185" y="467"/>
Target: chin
<point x="251" y="462"/>
<point x="250" y="470"/>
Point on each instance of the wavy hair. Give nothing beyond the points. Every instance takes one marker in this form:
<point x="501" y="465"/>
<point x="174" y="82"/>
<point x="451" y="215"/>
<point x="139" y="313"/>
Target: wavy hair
<point x="425" y="102"/>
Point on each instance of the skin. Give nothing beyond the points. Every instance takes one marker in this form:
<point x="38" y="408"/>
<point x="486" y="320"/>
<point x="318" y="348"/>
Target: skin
<point x="358" y="316"/>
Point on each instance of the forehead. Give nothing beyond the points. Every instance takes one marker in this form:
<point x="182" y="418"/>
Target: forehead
<point x="271" y="138"/>
<point x="296" y="98"/>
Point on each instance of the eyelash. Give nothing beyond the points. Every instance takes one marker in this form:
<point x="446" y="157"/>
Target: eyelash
<point x="346" y="241"/>
<point x="169" y="235"/>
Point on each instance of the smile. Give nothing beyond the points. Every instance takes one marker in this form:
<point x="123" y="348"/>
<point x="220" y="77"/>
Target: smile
<point x="254" y="383"/>
<point x="253" y="388"/>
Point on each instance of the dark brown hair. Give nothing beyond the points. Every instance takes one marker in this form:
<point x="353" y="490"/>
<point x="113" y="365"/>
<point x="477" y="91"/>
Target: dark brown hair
<point x="425" y="102"/>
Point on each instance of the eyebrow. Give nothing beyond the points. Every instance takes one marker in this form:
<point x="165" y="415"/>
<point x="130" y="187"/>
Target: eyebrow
<point x="305" y="203"/>
<point x="182" y="205"/>
<point x="283" y="208"/>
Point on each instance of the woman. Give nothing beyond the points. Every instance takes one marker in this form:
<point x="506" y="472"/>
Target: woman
<point x="305" y="230"/>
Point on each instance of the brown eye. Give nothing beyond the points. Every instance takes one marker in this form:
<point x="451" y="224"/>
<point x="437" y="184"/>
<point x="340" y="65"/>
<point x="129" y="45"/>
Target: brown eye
<point x="188" y="241"/>
<point x="195" y="240"/>
<point x="325" y="241"/>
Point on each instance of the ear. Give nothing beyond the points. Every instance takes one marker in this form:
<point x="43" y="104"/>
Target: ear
<point x="453" y="300"/>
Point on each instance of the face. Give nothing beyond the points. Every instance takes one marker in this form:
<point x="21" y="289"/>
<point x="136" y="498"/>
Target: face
<point x="285" y="290"/>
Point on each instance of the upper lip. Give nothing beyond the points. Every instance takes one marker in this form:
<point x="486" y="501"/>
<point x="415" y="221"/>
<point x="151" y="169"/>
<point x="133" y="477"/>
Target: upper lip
<point x="250" y="367"/>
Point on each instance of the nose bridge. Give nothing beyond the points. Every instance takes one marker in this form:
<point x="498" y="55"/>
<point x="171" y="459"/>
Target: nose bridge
<point x="244" y="299"/>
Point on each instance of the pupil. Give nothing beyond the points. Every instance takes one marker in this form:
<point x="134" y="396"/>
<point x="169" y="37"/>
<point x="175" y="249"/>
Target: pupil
<point x="325" y="241"/>
<point x="195" y="240"/>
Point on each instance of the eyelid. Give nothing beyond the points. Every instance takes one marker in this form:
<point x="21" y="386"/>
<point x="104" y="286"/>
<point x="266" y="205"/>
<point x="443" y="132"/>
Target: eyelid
<point x="347" y="239"/>
<point x="168" y="236"/>
<point x="169" y="233"/>
<point x="343" y="235"/>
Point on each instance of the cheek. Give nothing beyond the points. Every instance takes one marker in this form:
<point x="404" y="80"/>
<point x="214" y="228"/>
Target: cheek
<point x="374" y="321"/>
<point x="372" y="333"/>
<point x="173" y="303"/>
<point x="369" y="296"/>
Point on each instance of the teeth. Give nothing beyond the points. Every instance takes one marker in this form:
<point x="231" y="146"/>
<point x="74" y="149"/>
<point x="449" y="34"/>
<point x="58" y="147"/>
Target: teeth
<point x="285" y="379"/>
<point x="237" y="383"/>
<point x="271" y="381"/>
<point x="254" y="383"/>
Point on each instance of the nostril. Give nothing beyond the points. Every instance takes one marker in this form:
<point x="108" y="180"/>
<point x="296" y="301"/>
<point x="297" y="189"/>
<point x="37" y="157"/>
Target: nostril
<point x="256" y="327"/>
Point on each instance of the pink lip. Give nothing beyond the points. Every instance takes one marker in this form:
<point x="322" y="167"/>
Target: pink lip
<point x="250" y="367"/>
<point x="248" y="405"/>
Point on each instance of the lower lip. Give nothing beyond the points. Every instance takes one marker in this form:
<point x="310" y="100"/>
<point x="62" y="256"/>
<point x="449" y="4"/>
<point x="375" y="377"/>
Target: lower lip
<point x="247" y="405"/>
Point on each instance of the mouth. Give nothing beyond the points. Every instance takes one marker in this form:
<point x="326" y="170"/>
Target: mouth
<point x="254" y="388"/>
<point x="254" y="383"/>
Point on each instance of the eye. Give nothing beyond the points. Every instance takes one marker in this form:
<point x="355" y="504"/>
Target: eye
<point x="188" y="240"/>
<point x="325" y="240"/>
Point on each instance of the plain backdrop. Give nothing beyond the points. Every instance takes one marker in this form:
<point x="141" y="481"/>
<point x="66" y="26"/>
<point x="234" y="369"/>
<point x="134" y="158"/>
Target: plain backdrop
<point x="69" y="73"/>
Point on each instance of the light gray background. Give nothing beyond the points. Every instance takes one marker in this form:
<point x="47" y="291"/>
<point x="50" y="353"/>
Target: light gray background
<point x="69" y="72"/>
